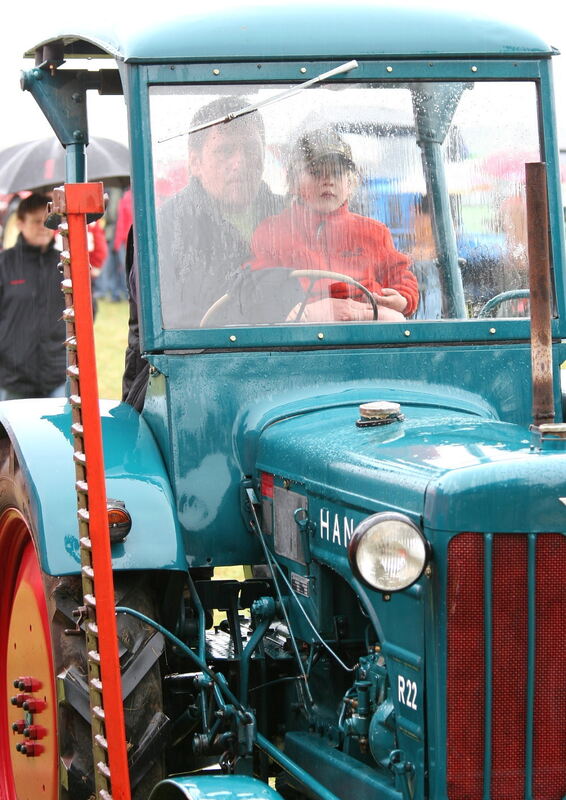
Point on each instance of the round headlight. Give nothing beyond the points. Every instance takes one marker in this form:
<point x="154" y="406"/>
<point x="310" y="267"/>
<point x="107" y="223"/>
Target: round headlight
<point x="388" y="552"/>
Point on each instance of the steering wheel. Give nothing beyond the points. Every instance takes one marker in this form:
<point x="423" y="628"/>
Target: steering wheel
<point x="252" y="287"/>
<point x="315" y="274"/>
<point x="502" y="297"/>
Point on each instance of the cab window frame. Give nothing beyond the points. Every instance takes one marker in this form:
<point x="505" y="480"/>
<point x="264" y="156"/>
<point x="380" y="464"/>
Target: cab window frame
<point x="351" y="334"/>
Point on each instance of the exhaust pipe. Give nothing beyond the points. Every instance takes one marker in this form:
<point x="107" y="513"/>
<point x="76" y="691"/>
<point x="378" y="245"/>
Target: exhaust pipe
<point x="540" y="294"/>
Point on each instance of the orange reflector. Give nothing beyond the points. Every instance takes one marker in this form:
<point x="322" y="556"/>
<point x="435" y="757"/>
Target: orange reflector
<point x="118" y="516"/>
<point x="119" y="521"/>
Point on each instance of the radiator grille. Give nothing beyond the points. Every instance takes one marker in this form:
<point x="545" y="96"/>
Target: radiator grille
<point x="550" y="697"/>
<point x="506" y="667"/>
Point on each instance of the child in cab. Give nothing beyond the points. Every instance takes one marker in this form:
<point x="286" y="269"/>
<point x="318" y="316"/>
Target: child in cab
<point x="319" y="232"/>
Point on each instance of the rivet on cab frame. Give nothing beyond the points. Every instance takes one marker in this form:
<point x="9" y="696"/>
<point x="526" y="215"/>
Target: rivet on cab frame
<point x="389" y="69"/>
<point x="232" y="338"/>
<point x="407" y="333"/>
<point x="303" y="70"/>
<point x="216" y="72"/>
<point x="474" y="69"/>
<point x="492" y="330"/>
<point x="320" y="335"/>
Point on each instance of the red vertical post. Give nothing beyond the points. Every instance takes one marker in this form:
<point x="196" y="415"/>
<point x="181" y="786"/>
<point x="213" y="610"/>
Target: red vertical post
<point x="82" y="199"/>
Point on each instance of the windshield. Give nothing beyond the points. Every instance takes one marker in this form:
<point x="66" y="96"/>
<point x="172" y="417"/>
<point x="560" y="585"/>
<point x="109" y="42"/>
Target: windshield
<point x="354" y="202"/>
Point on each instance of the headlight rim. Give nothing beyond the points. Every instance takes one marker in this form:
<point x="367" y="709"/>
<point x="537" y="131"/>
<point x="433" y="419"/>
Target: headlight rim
<point x="362" y="528"/>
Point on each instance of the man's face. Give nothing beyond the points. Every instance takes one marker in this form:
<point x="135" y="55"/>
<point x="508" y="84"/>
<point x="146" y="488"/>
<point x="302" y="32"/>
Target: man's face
<point x="34" y="231"/>
<point x="230" y="164"/>
<point x="324" y="186"/>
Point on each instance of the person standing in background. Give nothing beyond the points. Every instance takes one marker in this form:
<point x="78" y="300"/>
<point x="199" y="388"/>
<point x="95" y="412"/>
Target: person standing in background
<point x="32" y="331"/>
<point x="111" y="284"/>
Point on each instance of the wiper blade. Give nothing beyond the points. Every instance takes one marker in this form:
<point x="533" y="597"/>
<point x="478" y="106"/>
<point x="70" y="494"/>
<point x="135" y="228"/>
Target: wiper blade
<point x="349" y="65"/>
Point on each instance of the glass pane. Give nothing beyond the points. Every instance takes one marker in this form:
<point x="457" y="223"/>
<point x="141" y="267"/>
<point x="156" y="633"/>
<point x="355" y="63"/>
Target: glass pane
<point x="496" y="131"/>
<point x="342" y="203"/>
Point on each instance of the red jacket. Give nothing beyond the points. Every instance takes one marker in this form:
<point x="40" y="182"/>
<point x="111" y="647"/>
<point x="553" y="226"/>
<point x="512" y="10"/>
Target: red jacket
<point x="97" y="246"/>
<point x="124" y="220"/>
<point x="300" y="238"/>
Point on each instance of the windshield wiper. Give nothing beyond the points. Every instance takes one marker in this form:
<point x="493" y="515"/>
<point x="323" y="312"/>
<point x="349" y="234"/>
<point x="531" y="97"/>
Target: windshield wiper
<point x="275" y="99"/>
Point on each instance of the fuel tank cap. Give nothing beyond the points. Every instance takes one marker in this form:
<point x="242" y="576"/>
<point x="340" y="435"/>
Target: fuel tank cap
<point x="379" y="412"/>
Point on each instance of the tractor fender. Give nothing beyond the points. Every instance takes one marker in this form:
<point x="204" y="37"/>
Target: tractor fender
<point x="212" y="787"/>
<point x="40" y="434"/>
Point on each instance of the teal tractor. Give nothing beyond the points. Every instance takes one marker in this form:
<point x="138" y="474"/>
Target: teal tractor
<point x="393" y="486"/>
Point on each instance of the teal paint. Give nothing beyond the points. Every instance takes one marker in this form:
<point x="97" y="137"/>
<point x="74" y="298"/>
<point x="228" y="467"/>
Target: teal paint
<point x="294" y="30"/>
<point x="210" y="787"/>
<point x="144" y="209"/>
<point x="155" y="338"/>
<point x="62" y="98"/>
<point x="555" y="209"/>
<point x="432" y="128"/>
<point x="134" y="474"/>
<point x="345" y="774"/>
<point x="457" y="400"/>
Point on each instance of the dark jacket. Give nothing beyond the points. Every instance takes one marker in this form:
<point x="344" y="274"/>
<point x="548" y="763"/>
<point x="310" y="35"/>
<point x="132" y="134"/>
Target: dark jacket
<point x="32" y="332"/>
<point x="201" y="252"/>
<point x="200" y="255"/>
<point x="136" y="368"/>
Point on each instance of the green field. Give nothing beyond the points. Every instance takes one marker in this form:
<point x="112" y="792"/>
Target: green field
<point x="111" y="336"/>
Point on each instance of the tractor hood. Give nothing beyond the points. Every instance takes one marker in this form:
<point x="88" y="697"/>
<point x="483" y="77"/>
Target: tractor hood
<point x="449" y="470"/>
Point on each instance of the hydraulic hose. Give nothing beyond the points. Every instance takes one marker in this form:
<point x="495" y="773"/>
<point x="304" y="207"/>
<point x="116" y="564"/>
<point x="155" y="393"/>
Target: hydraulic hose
<point x="264" y="744"/>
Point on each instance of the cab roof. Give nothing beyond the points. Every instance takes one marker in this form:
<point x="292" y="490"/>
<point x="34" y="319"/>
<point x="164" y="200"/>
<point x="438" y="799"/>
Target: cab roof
<point x="289" y="30"/>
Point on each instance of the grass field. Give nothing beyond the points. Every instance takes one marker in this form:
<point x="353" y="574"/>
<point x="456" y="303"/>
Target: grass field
<point x="111" y="336"/>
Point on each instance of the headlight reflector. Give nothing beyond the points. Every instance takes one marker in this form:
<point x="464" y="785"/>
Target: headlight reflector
<point x="388" y="552"/>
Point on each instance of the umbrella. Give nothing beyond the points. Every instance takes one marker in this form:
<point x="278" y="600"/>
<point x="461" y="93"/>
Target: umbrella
<point x="40" y="164"/>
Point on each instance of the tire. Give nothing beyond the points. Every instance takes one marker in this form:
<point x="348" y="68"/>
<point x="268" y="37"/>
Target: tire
<point x="37" y="610"/>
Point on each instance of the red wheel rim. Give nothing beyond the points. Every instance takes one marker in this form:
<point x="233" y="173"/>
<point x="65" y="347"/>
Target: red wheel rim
<point x="25" y="650"/>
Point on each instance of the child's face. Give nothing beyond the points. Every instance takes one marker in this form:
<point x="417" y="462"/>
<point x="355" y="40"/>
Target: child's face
<point x="324" y="186"/>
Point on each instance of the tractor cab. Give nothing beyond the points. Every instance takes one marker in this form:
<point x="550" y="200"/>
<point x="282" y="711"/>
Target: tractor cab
<point x="435" y="149"/>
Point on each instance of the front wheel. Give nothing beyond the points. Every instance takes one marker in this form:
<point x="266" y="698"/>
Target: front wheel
<point x="28" y="766"/>
<point x="46" y="753"/>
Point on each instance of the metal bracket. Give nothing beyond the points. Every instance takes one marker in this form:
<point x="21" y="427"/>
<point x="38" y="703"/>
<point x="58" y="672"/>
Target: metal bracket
<point x="61" y="95"/>
<point x="403" y="771"/>
<point x="80" y="614"/>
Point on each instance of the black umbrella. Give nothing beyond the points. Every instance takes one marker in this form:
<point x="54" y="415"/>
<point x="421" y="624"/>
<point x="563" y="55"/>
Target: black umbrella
<point x="40" y="164"/>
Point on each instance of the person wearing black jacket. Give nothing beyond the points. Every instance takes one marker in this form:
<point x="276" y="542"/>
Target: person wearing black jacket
<point x="32" y="331"/>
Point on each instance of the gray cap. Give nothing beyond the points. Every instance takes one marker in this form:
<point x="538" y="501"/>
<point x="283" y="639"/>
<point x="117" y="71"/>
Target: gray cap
<point x="323" y="144"/>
